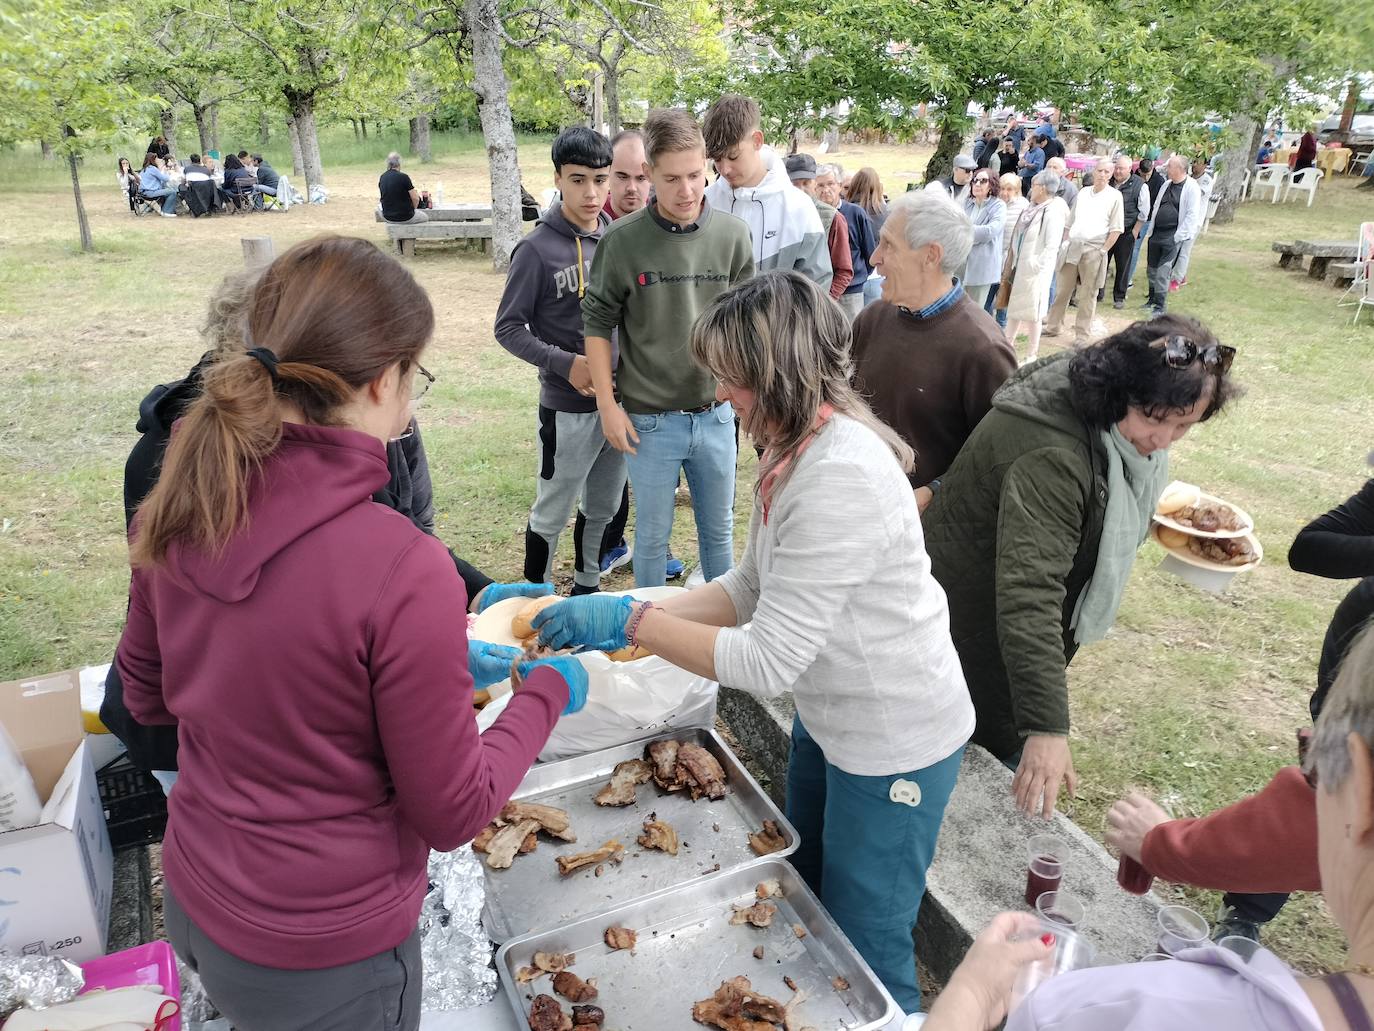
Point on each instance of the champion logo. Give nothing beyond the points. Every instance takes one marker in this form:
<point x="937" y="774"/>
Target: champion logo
<point x="709" y="276"/>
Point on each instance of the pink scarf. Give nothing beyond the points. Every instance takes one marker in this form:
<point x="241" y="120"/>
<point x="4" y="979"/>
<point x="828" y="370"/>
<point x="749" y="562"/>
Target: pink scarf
<point x="774" y="474"/>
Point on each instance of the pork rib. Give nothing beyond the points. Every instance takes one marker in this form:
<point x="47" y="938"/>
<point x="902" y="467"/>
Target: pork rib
<point x="572" y="987"/>
<point x="621" y="789"/>
<point x="506" y="842"/>
<point x="547" y="1015"/>
<point x="612" y="851"/>
<point x="769" y="839"/>
<point x="554" y="822"/>
<point x="760" y="914"/>
<point x="663" y="755"/>
<point x="701" y="771"/>
<point x="618" y="937"/>
<point x="737" y="1007"/>
<point x="659" y="835"/>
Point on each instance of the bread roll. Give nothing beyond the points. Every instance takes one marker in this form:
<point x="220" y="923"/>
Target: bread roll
<point x="1178" y="495"/>
<point x="522" y="625"/>
<point x="629" y="654"/>
<point x="1171" y="538"/>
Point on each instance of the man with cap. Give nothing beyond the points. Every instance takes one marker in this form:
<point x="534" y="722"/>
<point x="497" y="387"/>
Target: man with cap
<point x="955" y="185"/>
<point x="801" y="169"/>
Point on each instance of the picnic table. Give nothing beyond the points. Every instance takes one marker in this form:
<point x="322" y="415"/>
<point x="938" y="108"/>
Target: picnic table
<point x="1322" y="253"/>
<point x="1333" y="159"/>
<point x="1082" y="162"/>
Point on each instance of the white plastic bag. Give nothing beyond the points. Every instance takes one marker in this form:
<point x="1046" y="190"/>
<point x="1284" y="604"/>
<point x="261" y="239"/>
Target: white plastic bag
<point x="19" y="802"/>
<point x="625" y="700"/>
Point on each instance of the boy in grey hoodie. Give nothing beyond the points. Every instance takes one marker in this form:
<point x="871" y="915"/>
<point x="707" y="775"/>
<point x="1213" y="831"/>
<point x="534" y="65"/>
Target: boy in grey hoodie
<point x="540" y="321"/>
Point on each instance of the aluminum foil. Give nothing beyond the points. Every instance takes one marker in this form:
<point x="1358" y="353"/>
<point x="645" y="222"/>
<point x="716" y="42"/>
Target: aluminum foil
<point x="456" y="950"/>
<point x="38" y="981"/>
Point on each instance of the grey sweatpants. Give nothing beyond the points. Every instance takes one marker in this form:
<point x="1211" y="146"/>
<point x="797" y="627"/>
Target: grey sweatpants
<point x="575" y="461"/>
<point x="381" y="993"/>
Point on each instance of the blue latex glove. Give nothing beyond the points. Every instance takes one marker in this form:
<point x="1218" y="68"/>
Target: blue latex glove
<point x="493" y="593"/>
<point x="490" y="663"/>
<point x="574" y="674"/>
<point x="592" y="620"/>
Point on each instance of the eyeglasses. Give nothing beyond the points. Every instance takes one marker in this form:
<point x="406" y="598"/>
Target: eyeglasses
<point x="420" y="385"/>
<point x="982" y="179"/>
<point x="1180" y="352"/>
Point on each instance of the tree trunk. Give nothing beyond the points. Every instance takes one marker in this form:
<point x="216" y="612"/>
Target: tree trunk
<point x="168" y="118"/>
<point x="362" y="123"/>
<point x="214" y="127"/>
<point x="599" y="102"/>
<point x="612" y="87"/>
<point x="1247" y="131"/>
<point x="493" y="106"/>
<point x="1352" y="100"/>
<point x="46" y="148"/>
<point x="297" y="162"/>
<point x="202" y="127"/>
<point x="87" y="244"/>
<point x="419" y="138"/>
<point x="354" y="122"/>
<point x="312" y="168"/>
<point x="264" y="129"/>
<point x="953" y="126"/>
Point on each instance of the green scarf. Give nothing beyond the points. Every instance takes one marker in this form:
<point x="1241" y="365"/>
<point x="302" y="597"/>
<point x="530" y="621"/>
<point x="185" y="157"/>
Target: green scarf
<point x="1134" y="484"/>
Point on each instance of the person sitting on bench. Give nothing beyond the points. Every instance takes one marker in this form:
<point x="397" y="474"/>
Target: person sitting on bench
<point x="400" y="200"/>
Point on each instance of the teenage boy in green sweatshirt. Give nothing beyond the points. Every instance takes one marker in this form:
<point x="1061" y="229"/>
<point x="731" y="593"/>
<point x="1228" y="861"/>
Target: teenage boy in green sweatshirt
<point x="654" y="271"/>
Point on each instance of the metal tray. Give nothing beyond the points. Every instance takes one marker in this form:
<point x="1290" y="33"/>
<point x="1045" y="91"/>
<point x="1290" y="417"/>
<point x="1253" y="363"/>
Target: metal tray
<point x="532" y="895"/>
<point x="687" y="947"/>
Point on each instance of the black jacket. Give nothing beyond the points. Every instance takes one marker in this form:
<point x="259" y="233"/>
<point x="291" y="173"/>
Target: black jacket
<point x="409" y="492"/>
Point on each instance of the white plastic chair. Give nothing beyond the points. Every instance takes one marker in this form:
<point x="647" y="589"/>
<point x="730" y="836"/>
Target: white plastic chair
<point x="1270" y="177"/>
<point x="1306" y="182"/>
<point x="1213" y="202"/>
<point x="1245" y="185"/>
<point x="1364" y="271"/>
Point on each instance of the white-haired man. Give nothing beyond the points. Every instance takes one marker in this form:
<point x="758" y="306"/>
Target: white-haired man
<point x="1097" y="225"/>
<point x="400" y="200"/>
<point x="929" y="358"/>
<point x="1176" y="218"/>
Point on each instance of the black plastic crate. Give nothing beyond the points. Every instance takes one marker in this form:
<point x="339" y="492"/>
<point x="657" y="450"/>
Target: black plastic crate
<point x="135" y="805"/>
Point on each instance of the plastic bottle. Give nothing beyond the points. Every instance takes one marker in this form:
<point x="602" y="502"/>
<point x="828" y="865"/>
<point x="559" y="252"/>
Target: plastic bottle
<point x="19" y="803"/>
<point x="439" y="193"/>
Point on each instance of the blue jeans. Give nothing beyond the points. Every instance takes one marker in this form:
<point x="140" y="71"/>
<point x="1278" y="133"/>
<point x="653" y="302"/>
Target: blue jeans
<point x="1135" y="254"/>
<point x="169" y="198"/>
<point x="866" y="854"/>
<point x="702" y="446"/>
<point x="990" y="306"/>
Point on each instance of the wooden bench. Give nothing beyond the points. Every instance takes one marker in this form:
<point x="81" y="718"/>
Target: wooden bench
<point x="452" y="213"/>
<point x="477" y="234"/>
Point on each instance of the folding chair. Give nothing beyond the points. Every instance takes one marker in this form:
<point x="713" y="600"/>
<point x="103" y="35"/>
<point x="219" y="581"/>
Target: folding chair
<point x="1364" y="271"/>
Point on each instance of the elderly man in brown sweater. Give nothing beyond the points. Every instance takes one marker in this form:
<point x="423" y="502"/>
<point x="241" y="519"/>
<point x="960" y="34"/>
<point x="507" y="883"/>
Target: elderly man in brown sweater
<point x="927" y="357"/>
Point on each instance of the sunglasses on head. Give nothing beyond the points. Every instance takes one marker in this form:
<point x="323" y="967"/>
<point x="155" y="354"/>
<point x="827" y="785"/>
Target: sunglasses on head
<point x="1180" y="352"/>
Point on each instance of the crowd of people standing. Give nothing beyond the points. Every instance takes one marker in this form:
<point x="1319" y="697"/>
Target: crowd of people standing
<point x="935" y="533"/>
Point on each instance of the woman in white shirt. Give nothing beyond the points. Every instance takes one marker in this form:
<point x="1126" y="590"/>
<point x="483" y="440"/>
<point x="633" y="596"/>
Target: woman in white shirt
<point x="1035" y="244"/>
<point x="832" y="600"/>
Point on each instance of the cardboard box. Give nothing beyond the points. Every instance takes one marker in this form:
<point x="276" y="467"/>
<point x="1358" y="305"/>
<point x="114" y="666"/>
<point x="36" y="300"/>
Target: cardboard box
<point x="55" y="878"/>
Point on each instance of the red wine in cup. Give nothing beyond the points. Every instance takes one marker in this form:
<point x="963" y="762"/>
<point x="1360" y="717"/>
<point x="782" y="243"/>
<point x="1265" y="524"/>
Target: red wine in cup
<point x="1133" y="877"/>
<point x="1046" y="878"/>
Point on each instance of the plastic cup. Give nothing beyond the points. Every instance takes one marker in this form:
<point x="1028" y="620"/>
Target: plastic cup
<point x="1155" y="957"/>
<point x="1071" y="952"/>
<point x="1243" y="947"/>
<point x="1180" y="928"/>
<point x="1060" y="908"/>
<point x="1046" y="856"/>
<point x="1132" y="877"/>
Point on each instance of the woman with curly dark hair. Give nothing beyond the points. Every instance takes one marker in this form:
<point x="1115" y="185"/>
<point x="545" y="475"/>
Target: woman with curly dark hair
<point x="1033" y="530"/>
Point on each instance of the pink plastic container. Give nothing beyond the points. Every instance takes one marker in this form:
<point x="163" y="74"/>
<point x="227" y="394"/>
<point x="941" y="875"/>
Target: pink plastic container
<point x="154" y="963"/>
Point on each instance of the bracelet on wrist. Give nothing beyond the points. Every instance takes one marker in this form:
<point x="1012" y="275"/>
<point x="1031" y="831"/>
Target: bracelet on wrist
<point x="636" y="620"/>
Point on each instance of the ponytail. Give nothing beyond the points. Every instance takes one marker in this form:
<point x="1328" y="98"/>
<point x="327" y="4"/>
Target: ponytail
<point x="339" y="312"/>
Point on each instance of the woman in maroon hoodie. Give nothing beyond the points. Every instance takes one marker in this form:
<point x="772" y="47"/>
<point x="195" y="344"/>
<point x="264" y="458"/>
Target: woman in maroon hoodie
<point x="309" y="645"/>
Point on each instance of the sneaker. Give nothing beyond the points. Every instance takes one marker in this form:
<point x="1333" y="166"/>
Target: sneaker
<point x="675" y="567"/>
<point x="697" y="579"/>
<point x="578" y="590"/>
<point x="168" y="214"/>
<point x="1049" y="332"/>
<point x="1229" y="923"/>
<point x="1118" y="305"/>
<point x="1183" y="281"/>
<point x="1173" y="286"/>
<point x="618" y="556"/>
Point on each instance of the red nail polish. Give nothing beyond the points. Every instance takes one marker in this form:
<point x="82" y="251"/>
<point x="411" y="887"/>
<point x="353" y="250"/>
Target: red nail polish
<point x="1047" y="939"/>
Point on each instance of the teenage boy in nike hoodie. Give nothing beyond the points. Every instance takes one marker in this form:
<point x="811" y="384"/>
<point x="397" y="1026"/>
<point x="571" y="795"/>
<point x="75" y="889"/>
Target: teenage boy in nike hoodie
<point x="540" y="321"/>
<point x="753" y="185"/>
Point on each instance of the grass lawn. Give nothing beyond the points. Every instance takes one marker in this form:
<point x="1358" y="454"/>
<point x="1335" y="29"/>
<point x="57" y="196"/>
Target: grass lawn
<point x="1193" y="697"/>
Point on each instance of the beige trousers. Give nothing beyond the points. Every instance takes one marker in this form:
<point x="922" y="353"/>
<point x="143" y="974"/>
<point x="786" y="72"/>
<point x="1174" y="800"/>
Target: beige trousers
<point x="1086" y="274"/>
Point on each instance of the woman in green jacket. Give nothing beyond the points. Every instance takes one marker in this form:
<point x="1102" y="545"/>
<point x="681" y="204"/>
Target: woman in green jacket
<point x="1033" y="530"/>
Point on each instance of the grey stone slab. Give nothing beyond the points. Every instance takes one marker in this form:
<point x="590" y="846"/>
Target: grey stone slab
<point x="980" y="862"/>
<point x="131" y="900"/>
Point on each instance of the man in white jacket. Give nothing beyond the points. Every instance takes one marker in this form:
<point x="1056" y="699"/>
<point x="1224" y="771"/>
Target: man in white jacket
<point x="753" y="185"/>
<point x="1176" y="219"/>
